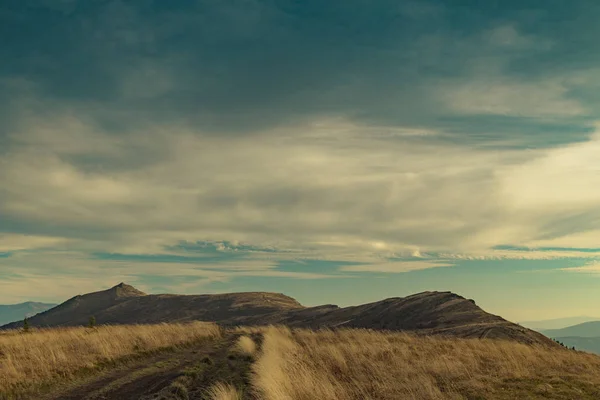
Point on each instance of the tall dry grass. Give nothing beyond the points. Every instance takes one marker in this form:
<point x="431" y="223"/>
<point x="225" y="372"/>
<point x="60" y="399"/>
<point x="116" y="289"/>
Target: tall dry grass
<point x="46" y="354"/>
<point x="223" y="391"/>
<point x="361" y="364"/>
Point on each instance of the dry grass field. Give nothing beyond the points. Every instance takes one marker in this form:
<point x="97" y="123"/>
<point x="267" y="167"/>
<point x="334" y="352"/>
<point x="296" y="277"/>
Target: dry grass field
<point x="362" y="364"/>
<point x="277" y="363"/>
<point x="44" y="355"/>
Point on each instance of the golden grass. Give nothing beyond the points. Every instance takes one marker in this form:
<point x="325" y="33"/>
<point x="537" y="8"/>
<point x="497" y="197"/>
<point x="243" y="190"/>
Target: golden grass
<point x="44" y="355"/>
<point x="223" y="391"/>
<point x="245" y="345"/>
<point x="362" y="364"/>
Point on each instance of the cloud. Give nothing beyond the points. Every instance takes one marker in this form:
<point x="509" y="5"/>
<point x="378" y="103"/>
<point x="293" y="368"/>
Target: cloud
<point x="497" y="97"/>
<point x="509" y="36"/>
<point x="396" y="267"/>
<point x="338" y="187"/>
<point x="57" y="275"/>
<point x="299" y="190"/>
<point x="520" y="255"/>
<point x="573" y="174"/>
<point x="15" y="242"/>
<point x="240" y="69"/>
<point x="347" y="131"/>
<point x="589" y="268"/>
<point x="557" y="193"/>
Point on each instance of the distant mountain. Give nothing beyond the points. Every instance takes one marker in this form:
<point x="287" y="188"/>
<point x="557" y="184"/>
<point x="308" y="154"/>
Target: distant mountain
<point x="557" y="323"/>
<point x="584" y="336"/>
<point x="17" y="312"/>
<point x="587" y="329"/>
<point x="440" y="313"/>
<point x="589" y="344"/>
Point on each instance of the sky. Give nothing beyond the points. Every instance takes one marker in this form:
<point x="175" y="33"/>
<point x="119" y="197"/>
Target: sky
<point x="340" y="152"/>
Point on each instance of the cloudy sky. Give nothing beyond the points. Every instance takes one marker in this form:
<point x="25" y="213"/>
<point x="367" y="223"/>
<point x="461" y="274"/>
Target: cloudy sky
<point x="337" y="151"/>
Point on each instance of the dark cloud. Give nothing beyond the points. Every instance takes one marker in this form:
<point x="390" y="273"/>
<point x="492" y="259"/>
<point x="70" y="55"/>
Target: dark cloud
<point x="242" y="66"/>
<point x="508" y="131"/>
<point x="569" y="222"/>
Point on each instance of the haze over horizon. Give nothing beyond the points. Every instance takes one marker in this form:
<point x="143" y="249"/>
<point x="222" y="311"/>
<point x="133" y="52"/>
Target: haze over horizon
<point x="338" y="152"/>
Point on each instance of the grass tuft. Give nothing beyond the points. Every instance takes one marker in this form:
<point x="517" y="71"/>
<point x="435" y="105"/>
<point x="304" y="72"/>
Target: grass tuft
<point x="245" y="345"/>
<point x="223" y="391"/>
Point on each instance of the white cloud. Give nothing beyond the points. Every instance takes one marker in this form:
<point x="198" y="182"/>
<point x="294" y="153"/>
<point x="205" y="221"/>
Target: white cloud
<point x="348" y="187"/>
<point x="347" y="190"/>
<point x="519" y="255"/>
<point x="565" y="178"/>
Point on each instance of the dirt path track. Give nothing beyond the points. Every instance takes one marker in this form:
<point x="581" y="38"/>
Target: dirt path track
<point x="166" y="375"/>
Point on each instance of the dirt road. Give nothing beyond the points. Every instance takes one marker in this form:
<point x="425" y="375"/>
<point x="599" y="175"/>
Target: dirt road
<point x="180" y="374"/>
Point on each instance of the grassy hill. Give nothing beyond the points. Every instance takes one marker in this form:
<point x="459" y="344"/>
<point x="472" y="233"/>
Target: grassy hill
<point x="429" y="313"/>
<point x="123" y="304"/>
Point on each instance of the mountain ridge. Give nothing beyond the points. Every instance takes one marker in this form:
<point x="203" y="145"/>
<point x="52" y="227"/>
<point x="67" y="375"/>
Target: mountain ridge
<point x="557" y="323"/>
<point x="432" y="312"/>
<point x="585" y="330"/>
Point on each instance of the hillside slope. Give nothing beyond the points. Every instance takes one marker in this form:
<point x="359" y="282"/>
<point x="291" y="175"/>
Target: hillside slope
<point x="438" y="313"/>
<point x="16" y="312"/>
<point x="77" y="310"/>
<point x="359" y="364"/>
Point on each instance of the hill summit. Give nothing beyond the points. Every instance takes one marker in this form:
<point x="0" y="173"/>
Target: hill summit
<point x="81" y="307"/>
<point x="125" y="290"/>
